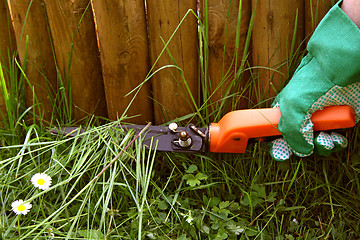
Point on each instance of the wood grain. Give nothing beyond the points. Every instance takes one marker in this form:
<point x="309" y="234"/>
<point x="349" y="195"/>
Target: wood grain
<point x="40" y="69"/>
<point x="124" y="57"/>
<point x="171" y="96"/>
<point x="223" y="24"/>
<point x="272" y="36"/>
<point x="126" y="49"/>
<point x="75" y="44"/>
<point x="7" y="44"/>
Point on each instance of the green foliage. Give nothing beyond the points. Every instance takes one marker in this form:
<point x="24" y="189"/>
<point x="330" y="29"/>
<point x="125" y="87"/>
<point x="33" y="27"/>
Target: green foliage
<point x="12" y="90"/>
<point x="192" y="179"/>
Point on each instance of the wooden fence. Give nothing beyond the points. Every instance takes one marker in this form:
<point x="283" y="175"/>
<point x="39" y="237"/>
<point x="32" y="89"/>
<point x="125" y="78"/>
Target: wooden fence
<point x="107" y="48"/>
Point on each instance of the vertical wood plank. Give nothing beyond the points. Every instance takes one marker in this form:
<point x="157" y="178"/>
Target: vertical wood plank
<point x="223" y="23"/>
<point x="40" y="70"/>
<point x="74" y="38"/>
<point x="272" y="36"/>
<point x="171" y="96"/>
<point x="7" y="44"/>
<point x="124" y="56"/>
<point x="315" y="10"/>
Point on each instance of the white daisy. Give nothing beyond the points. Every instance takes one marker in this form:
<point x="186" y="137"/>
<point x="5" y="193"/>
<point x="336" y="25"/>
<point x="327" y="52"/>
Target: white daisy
<point x="41" y="181"/>
<point x="19" y="207"/>
<point x="189" y="218"/>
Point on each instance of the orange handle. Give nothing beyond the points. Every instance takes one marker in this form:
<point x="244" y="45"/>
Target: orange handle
<point x="232" y="132"/>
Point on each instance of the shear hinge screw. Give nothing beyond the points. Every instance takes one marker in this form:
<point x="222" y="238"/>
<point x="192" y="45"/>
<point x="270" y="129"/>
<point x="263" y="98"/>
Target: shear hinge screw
<point x="184" y="139"/>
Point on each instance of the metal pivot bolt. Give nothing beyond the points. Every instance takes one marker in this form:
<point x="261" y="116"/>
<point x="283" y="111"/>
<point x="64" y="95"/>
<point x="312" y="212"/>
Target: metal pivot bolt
<point x="184" y="139"/>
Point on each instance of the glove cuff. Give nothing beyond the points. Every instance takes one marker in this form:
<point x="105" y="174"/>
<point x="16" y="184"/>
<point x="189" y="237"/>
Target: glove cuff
<point x="336" y="46"/>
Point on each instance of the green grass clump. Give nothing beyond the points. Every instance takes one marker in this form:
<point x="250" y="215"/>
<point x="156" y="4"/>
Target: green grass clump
<point x="103" y="190"/>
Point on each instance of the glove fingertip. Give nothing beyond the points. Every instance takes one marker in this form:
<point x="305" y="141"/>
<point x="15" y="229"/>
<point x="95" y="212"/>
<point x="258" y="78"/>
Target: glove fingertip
<point x="280" y="150"/>
<point x="323" y="144"/>
<point x="340" y="141"/>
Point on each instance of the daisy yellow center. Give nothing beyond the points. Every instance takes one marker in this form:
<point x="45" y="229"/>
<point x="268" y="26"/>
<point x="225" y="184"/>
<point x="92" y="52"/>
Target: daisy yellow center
<point x="20" y="208"/>
<point x="41" y="181"/>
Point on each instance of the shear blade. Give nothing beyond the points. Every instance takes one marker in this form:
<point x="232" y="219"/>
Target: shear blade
<point x="166" y="139"/>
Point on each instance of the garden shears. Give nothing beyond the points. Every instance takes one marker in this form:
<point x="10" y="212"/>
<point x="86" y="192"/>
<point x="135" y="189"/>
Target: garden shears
<point x="232" y="133"/>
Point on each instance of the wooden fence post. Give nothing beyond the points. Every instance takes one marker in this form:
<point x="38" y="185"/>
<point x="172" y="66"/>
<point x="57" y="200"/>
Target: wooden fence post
<point x="273" y="32"/>
<point x="40" y="68"/>
<point x="7" y="44"/>
<point x="223" y="29"/>
<point x="124" y="56"/>
<point x="75" y="43"/>
<point x="172" y="98"/>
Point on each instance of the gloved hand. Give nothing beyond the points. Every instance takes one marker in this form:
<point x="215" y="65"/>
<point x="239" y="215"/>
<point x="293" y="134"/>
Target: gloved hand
<point x="328" y="75"/>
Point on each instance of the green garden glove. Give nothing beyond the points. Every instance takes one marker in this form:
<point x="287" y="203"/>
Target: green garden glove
<point x="324" y="144"/>
<point x="328" y="75"/>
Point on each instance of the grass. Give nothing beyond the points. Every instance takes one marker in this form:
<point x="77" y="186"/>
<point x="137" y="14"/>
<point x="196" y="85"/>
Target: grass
<point x="106" y="186"/>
